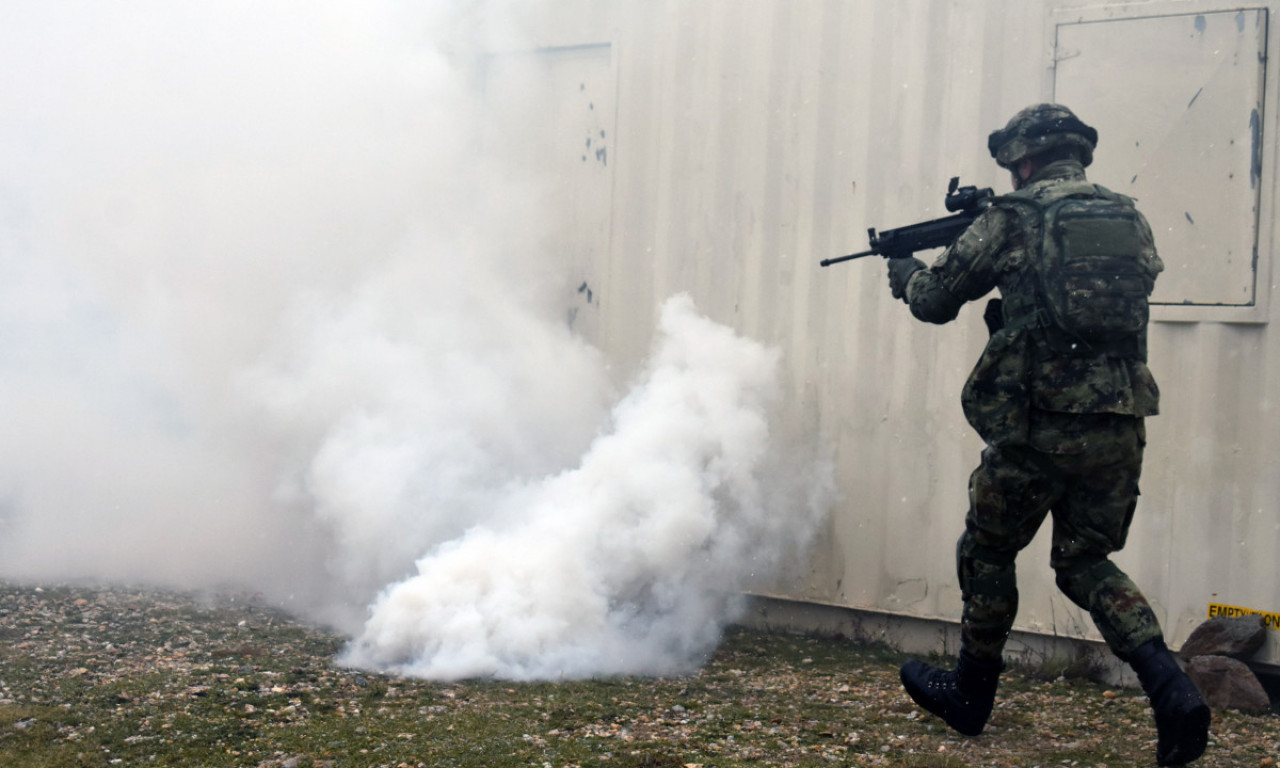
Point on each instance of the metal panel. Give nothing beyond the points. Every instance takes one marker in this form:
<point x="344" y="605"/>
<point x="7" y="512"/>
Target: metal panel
<point x="553" y="110"/>
<point x="1199" y="77"/>
<point x="755" y="138"/>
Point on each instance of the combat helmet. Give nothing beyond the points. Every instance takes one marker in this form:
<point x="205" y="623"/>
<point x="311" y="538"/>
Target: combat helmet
<point x="1039" y="128"/>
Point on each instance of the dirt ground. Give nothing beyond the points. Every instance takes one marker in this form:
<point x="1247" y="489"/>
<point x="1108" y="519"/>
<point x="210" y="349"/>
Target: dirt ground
<point x="95" y="676"/>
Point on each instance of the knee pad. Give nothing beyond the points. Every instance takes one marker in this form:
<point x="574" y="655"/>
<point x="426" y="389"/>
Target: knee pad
<point x="1080" y="579"/>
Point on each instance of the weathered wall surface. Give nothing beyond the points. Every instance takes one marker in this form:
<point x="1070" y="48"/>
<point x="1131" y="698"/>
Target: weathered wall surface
<point x="746" y="140"/>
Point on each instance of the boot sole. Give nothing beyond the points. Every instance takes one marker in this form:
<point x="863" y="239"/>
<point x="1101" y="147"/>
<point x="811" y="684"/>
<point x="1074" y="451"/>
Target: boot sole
<point x="1192" y="728"/>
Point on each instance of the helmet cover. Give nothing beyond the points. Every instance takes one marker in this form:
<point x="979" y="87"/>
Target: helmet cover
<point x="1039" y="128"/>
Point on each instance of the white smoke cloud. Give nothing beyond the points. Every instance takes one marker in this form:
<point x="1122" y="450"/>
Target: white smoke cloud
<point x="630" y="562"/>
<point x="409" y="406"/>
<point x="272" y="314"/>
<point x="228" y="233"/>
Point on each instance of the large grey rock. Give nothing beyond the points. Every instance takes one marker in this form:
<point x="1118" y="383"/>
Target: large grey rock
<point x="1226" y="683"/>
<point x="1236" y="636"/>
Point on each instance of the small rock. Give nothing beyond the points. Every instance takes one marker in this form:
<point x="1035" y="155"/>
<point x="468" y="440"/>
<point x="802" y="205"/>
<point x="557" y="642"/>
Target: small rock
<point x="1236" y="636"/>
<point x="1227" y="683"/>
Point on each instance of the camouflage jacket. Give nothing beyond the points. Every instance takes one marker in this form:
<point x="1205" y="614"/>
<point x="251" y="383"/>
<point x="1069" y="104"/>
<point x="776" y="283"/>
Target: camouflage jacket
<point x="1018" y="371"/>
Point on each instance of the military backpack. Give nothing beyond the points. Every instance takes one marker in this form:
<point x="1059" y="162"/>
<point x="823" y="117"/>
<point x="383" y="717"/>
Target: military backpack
<point x="1093" y="277"/>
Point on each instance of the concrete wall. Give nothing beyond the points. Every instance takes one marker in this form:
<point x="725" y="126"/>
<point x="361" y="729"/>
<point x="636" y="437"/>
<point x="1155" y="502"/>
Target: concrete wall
<point x="748" y="139"/>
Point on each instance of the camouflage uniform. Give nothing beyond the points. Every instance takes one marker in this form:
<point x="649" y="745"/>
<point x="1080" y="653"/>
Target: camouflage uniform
<point x="1062" y="414"/>
<point x="1064" y="430"/>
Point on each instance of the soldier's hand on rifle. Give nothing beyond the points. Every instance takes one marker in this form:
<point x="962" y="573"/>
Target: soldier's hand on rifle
<point x="900" y="271"/>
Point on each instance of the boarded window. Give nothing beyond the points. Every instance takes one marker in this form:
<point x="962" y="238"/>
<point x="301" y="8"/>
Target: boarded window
<point x="1178" y="104"/>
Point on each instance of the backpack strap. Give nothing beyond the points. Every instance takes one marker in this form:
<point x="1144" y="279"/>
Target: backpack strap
<point x="1031" y="315"/>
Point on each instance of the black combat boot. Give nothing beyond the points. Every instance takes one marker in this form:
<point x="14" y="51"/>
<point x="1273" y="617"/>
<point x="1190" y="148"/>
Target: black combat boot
<point x="962" y="697"/>
<point x="1182" y="717"/>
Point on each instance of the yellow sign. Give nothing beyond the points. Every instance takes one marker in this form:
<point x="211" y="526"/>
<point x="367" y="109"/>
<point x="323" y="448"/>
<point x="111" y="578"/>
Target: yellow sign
<point x="1272" y="620"/>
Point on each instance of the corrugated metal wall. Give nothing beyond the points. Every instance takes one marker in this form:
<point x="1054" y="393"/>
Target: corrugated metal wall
<point x="754" y="137"/>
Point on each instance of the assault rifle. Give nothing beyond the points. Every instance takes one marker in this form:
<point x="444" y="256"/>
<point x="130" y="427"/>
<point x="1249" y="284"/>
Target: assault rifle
<point x="966" y="203"/>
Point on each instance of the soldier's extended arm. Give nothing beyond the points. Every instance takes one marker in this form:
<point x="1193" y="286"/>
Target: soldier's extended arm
<point x="968" y="270"/>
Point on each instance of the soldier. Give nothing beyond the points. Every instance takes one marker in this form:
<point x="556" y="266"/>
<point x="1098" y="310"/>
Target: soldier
<point x="1059" y="396"/>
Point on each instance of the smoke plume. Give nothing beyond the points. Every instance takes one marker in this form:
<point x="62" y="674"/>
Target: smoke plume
<point x="625" y="562"/>
<point x="273" y="314"/>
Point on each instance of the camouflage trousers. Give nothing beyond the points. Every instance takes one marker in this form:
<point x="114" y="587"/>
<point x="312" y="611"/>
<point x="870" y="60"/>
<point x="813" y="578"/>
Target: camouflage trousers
<point x="1082" y="469"/>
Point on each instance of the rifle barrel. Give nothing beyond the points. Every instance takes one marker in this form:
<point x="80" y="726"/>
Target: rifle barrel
<point x="838" y="259"/>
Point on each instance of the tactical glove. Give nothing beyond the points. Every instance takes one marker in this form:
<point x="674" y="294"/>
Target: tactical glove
<point x="900" y="271"/>
<point x="993" y="316"/>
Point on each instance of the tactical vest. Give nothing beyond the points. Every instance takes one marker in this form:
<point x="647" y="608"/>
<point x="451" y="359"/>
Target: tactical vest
<point x="1091" y="277"/>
